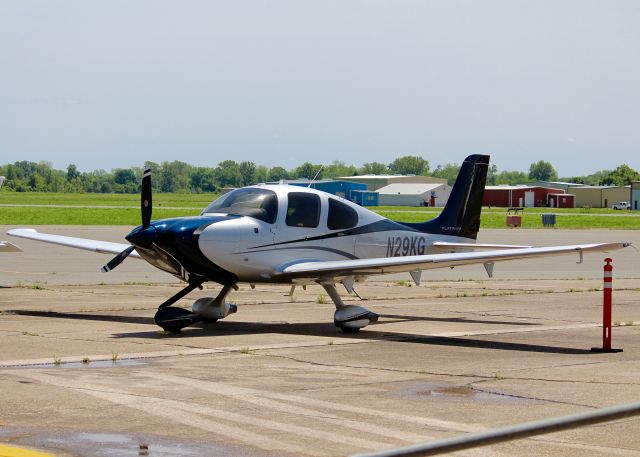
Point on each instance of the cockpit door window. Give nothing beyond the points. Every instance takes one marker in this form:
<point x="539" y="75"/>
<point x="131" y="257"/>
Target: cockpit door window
<point x="303" y="210"/>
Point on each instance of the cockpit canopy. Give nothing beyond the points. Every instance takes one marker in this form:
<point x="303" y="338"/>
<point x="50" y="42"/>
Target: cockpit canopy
<point x="253" y="202"/>
<point x="303" y="209"/>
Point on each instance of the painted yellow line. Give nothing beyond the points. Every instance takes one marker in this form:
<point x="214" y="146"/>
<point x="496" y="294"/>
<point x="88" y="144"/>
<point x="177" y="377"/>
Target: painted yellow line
<point x="11" y="451"/>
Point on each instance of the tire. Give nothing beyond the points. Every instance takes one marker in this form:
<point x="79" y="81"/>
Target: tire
<point x="350" y="329"/>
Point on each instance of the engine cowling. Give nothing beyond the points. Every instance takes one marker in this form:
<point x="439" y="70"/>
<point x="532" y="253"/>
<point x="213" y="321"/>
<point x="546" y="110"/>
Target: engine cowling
<point x="209" y="308"/>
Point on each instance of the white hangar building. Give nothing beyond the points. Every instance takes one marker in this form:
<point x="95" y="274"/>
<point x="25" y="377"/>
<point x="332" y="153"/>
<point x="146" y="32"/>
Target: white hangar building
<point x="414" y="194"/>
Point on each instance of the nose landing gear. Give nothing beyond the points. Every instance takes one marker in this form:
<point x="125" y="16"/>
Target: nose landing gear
<point x="173" y="319"/>
<point x="211" y="309"/>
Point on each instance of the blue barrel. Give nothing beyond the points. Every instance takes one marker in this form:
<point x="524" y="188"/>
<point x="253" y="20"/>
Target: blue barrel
<point x="549" y="220"/>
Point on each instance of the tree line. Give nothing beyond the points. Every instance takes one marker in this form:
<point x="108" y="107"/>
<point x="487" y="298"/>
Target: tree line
<point x="180" y="177"/>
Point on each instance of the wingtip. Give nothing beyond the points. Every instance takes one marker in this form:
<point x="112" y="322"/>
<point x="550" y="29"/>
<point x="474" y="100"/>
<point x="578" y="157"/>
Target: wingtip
<point x="18" y="231"/>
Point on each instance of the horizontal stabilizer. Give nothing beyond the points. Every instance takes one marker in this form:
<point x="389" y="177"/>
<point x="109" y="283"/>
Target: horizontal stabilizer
<point x="5" y="246"/>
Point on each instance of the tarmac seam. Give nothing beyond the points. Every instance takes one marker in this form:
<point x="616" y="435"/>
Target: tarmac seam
<point x="454" y="375"/>
<point x="190" y="351"/>
<point x="523" y="397"/>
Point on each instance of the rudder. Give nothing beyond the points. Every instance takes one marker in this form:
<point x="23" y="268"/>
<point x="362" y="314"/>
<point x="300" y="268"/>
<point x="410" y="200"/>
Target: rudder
<point x="461" y="215"/>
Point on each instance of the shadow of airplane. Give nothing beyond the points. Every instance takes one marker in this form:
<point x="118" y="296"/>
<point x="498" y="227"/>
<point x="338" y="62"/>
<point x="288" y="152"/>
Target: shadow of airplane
<point x="400" y="317"/>
<point x="84" y="316"/>
<point x="323" y="329"/>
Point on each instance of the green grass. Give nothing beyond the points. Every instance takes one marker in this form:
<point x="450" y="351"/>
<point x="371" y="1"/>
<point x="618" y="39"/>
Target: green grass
<point x="159" y="199"/>
<point x="539" y="210"/>
<point x="192" y="204"/>
<point x="82" y="216"/>
<point x="572" y="219"/>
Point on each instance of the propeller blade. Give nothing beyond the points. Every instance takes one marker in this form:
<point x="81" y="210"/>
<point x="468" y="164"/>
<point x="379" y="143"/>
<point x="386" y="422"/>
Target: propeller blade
<point x="145" y="197"/>
<point x="117" y="260"/>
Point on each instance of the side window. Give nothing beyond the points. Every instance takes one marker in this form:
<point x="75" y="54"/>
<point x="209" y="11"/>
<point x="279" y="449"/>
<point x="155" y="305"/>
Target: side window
<point x="303" y="210"/>
<point x="341" y="216"/>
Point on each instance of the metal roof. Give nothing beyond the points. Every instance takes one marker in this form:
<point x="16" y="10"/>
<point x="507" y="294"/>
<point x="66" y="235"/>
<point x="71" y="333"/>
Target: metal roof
<point x="519" y="187"/>
<point x="604" y="187"/>
<point x="409" y="188"/>
<point x="375" y="176"/>
<point x="507" y="187"/>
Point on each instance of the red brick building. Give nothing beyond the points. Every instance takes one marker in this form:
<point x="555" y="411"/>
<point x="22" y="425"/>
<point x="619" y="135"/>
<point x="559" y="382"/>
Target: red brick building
<point x="526" y="196"/>
<point x="560" y="200"/>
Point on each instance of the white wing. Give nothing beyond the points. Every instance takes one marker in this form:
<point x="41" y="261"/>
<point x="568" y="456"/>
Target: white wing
<point x="5" y="246"/>
<point x="463" y="247"/>
<point x="326" y="270"/>
<point x="103" y="247"/>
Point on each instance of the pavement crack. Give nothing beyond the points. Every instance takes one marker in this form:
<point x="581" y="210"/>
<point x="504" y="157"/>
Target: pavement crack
<point x="522" y="397"/>
<point x="562" y="365"/>
<point x="369" y="367"/>
<point x="453" y="375"/>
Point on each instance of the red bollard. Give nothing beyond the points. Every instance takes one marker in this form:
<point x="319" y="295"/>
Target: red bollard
<point x="606" y="309"/>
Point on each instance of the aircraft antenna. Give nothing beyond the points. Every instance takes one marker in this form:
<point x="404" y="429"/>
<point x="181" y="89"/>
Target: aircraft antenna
<point x="314" y="178"/>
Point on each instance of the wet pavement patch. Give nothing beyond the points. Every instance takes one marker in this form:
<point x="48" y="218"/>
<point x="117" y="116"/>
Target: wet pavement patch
<point x="104" y="444"/>
<point x="418" y="390"/>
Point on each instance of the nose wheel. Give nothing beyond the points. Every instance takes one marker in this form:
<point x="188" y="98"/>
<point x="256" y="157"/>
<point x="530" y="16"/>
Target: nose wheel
<point x="173" y="319"/>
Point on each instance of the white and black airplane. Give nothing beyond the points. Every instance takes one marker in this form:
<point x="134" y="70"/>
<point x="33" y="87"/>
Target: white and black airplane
<point x="284" y="234"/>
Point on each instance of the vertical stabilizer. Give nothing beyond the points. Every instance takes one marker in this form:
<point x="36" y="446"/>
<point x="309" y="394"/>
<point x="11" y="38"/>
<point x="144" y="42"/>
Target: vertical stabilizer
<point x="461" y="215"/>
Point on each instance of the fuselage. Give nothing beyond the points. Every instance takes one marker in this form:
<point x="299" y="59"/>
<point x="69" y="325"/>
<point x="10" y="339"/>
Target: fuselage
<point x="249" y="234"/>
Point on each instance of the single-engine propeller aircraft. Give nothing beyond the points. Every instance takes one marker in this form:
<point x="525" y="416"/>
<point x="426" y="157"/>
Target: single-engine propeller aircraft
<point x="291" y="235"/>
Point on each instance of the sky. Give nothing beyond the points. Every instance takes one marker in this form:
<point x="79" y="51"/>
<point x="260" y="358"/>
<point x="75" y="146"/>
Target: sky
<point x="108" y="84"/>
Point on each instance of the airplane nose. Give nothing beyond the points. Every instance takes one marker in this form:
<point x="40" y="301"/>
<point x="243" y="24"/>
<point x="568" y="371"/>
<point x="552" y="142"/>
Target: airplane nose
<point x="142" y="237"/>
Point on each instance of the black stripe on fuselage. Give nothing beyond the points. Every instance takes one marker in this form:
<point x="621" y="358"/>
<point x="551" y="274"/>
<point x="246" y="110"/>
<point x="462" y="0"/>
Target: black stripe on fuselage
<point x="385" y="225"/>
<point x="316" y="248"/>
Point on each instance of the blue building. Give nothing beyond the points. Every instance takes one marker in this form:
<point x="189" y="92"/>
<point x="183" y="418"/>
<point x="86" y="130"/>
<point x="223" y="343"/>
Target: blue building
<point x="364" y="197"/>
<point x="353" y="191"/>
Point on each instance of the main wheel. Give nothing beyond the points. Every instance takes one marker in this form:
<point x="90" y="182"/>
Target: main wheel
<point x="352" y="318"/>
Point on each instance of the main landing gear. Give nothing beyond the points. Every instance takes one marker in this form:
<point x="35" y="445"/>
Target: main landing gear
<point x="173" y="319"/>
<point x="348" y="318"/>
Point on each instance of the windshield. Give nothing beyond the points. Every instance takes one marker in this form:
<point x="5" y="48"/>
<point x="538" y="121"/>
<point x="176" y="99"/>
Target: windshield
<point x="252" y="202"/>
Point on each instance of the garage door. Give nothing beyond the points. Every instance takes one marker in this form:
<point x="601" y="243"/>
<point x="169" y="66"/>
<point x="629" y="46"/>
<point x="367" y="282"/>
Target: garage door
<point x="529" y="199"/>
